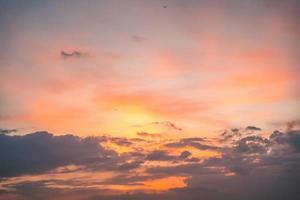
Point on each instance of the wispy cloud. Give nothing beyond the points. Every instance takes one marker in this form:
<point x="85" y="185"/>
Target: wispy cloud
<point x="73" y="54"/>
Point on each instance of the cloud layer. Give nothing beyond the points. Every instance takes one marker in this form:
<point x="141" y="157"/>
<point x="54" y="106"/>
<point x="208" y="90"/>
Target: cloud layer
<point x="246" y="167"/>
<point x="41" y="151"/>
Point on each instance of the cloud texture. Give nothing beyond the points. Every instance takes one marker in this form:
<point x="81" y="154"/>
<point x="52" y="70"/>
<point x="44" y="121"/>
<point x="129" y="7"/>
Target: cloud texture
<point x="250" y="167"/>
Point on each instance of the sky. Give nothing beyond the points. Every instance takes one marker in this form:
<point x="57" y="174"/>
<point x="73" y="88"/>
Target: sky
<point x="142" y="99"/>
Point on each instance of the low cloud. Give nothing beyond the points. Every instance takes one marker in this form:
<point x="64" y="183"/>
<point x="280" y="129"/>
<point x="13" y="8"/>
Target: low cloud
<point x="39" y="152"/>
<point x="253" y="128"/>
<point x="198" y="143"/>
<point x="8" y="131"/>
<point x="247" y="167"/>
<point x="159" y="155"/>
<point x="292" y="124"/>
<point x="117" y="140"/>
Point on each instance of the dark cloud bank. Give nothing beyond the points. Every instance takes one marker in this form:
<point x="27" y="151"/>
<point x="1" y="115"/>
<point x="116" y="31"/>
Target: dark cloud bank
<point x="251" y="167"/>
<point x="39" y="152"/>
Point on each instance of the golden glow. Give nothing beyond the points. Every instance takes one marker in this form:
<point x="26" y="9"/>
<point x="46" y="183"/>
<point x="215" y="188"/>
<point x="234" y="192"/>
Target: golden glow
<point x="165" y="183"/>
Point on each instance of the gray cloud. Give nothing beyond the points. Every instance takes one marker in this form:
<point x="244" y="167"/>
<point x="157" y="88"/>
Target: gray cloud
<point x="8" y="131"/>
<point x="192" y="142"/>
<point x="185" y="154"/>
<point x="117" y="140"/>
<point x="262" y="167"/>
<point x="253" y="128"/>
<point x="228" y="135"/>
<point x="160" y="155"/>
<point x="129" y="165"/>
<point x="41" y="151"/>
<point x="252" y="144"/>
<point x="73" y="54"/>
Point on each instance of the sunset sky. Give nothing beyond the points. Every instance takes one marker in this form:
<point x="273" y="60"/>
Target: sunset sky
<point x="148" y="99"/>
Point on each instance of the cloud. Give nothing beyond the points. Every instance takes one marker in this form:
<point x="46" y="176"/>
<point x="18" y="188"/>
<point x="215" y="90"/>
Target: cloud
<point x="228" y="135"/>
<point x="168" y="124"/>
<point x="185" y="154"/>
<point x="150" y="135"/>
<point x="247" y="154"/>
<point x="41" y="151"/>
<point x="291" y="138"/>
<point x="129" y="165"/>
<point x="192" y="142"/>
<point x="8" y="131"/>
<point x="253" y="128"/>
<point x="117" y="140"/>
<point x="292" y="124"/>
<point x="237" y="133"/>
<point x="250" y="167"/>
<point x="73" y="54"/>
<point x="252" y="144"/>
<point x="137" y="38"/>
<point x="160" y="155"/>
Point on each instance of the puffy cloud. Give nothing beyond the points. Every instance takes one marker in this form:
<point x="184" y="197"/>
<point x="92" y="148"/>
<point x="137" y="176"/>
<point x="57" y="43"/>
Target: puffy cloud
<point x="160" y="155"/>
<point x="228" y="135"/>
<point x="291" y="138"/>
<point x="250" y="167"/>
<point x="237" y="133"/>
<point x="41" y="151"/>
<point x="252" y="144"/>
